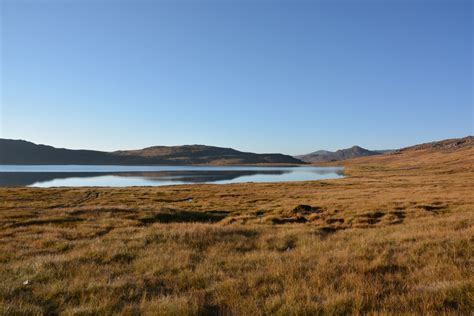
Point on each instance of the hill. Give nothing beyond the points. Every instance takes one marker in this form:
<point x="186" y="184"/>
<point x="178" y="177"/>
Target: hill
<point x="445" y="154"/>
<point x="201" y="154"/>
<point x="342" y="154"/>
<point x="447" y="144"/>
<point x="23" y="152"/>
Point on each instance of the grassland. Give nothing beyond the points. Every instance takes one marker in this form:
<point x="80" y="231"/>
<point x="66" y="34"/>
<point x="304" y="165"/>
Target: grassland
<point x="395" y="236"/>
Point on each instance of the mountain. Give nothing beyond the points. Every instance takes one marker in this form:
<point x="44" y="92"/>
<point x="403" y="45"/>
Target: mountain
<point x="342" y="154"/>
<point x="320" y="152"/>
<point x="446" y="145"/>
<point x="23" y="152"/>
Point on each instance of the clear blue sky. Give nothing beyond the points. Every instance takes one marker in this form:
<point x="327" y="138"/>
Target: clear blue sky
<point x="262" y="76"/>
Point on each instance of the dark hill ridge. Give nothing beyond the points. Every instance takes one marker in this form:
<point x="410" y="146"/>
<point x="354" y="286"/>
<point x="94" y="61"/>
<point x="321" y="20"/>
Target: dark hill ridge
<point x="201" y="154"/>
<point x="342" y="154"/>
<point x="23" y="152"/>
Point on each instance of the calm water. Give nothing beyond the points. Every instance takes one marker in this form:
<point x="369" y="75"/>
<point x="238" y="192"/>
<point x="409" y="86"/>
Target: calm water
<point x="123" y="176"/>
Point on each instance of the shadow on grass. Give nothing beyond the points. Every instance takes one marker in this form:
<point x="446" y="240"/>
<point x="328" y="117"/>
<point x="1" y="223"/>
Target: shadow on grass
<point x="47" y="221"/>
<point x="180" y="216"/>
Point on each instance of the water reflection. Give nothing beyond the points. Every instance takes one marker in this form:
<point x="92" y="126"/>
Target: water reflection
<point x="122" y="176"/>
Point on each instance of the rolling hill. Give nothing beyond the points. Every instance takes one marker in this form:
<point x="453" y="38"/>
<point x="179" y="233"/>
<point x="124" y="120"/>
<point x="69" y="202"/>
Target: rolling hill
<point x="342" y="154"/>
<point x="23" y="152"/>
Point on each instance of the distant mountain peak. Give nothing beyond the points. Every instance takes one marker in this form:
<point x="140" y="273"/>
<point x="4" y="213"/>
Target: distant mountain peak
<point x="321" y="152"/>
<point x="341" y="154"/>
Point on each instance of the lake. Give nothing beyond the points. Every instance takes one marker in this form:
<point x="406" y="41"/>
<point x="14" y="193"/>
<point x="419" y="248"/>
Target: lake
<point x="125" y="176"/>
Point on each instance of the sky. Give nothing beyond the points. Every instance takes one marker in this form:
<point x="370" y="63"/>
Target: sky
<point x="260" y="76"/>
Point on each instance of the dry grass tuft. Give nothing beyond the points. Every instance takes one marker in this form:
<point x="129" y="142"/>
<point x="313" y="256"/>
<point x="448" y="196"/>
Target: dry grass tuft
<point x="395" y="236"/>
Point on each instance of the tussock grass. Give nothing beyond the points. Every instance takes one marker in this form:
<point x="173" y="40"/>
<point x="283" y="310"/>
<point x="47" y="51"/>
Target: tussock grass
<point x="396" y="236"/>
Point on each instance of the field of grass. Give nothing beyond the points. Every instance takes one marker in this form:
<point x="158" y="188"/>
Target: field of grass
<point x="395" y="236"/>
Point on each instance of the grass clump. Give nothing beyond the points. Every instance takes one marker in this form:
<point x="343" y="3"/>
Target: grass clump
<point x="394" y="239"/>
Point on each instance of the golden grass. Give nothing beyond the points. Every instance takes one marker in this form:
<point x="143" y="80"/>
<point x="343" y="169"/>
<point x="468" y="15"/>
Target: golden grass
<point x="395" y="236"/>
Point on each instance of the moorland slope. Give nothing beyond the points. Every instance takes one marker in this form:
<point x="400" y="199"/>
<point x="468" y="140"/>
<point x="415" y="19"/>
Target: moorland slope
<point x="393" y="237"/>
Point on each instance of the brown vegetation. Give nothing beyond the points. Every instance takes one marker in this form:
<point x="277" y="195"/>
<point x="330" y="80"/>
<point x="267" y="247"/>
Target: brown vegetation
<point x="395" y="236"/>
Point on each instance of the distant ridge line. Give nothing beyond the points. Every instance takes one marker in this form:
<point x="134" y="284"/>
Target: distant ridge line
<point x="24" y="152"/>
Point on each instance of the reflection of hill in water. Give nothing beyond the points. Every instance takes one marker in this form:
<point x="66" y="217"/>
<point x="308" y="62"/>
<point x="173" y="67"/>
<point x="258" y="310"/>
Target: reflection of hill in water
<point x="29" y="178"/>
<point x="336" y="170"/>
